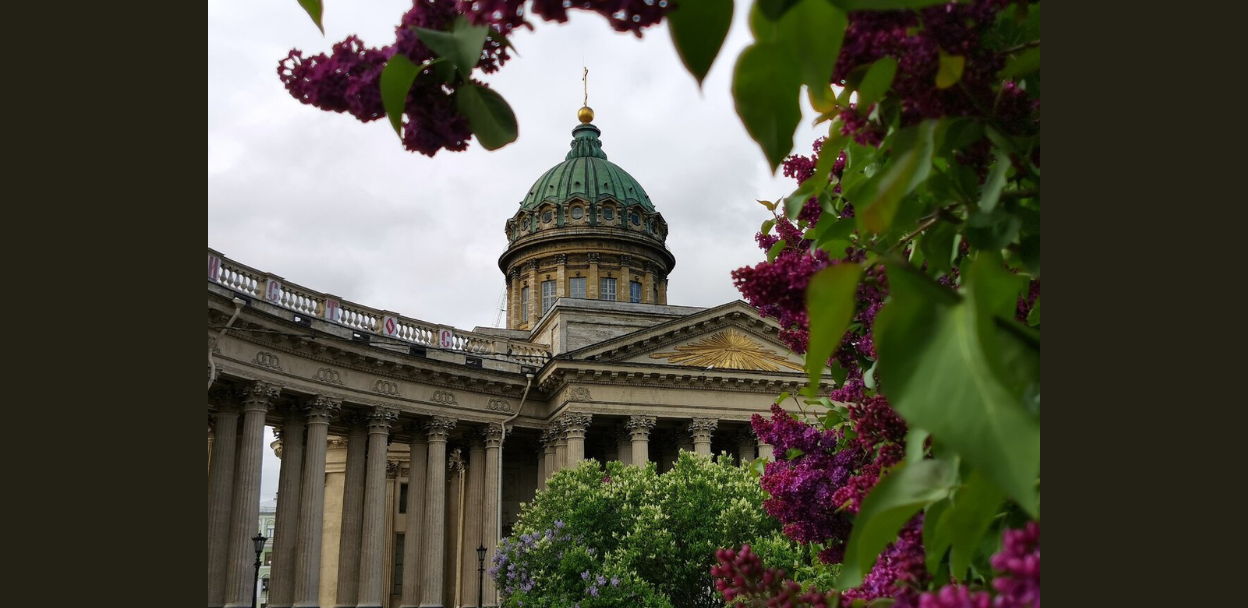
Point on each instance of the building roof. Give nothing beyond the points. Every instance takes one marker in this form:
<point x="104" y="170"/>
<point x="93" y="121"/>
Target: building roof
<point x="586" y="174"/>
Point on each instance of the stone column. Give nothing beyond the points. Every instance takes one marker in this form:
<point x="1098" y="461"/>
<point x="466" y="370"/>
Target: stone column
<point x="623" y="446"/>
<point x="701" y="429"/>
<point x="663" y="291"/>
<point x="220" y="498"/>
<point x="535" y="294"/>
<point x="418" y="453"/>
<point x="561" y="277"/>
<point x="306" y="583"/>
<point x="764" y="450"/>
<point x="473" y="525"/>
<point x="647" y="285"/>
<point x="352" y="515"/>
<point x="282" y="572"/>
<point x="745" y="445"/>
<point x="625" y="287"/>
<point x="639" y="428"/>
<point x="492" y="504"/>
<point x="373" y="540"/>
<point x="561" y="446"/>
<point x="549" y="457"/>
<point x="591" y="280"/>
<point x="575" y="424"/>
<point x="513" y="305"/>
<point x="245" y="508"/>
<point x="437" y="429"/>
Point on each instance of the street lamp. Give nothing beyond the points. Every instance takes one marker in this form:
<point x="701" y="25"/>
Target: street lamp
<point x="480" y="573"/>
<point x="259" y="540"/>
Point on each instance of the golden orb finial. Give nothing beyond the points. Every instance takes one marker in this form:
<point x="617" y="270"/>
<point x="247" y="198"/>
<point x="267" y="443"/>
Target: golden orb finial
<point x="585" y="114"/>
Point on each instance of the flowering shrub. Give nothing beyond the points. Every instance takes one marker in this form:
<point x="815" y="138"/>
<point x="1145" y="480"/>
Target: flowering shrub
<point x="633" y="524"/>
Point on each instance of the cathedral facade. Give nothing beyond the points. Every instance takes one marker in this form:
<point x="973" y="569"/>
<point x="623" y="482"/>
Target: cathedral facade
<point x="406" y="445"/>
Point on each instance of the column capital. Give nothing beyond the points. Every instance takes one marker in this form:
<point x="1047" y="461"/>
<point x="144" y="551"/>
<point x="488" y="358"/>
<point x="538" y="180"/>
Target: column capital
<point x="594" y="257"/>
<point x="530" y="266"/>
<point x="438" y="428"/>
<point x="514" y="273"/>
<point x="575" y="422"/>
<point x="703" y="426"/>
<point x="561" y="258"/>
<point x="626" y="260"/>
<point x="416" y="430"/>
<point x="392" y="469"/>
<point x="380" y="419"/>
<point x="493" y="435"/>
<point x="642" y="425"/>
<point x="321" y="408"/>
<point x="746" y="435"/>
<point x="549" y="436"/>
<point x="456" y="461"/>
<point x="259" y="395"/>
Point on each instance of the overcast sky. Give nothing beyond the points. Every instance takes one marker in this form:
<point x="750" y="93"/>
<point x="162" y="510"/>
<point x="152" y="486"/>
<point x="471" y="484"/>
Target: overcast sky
<point x="338" y="206"/>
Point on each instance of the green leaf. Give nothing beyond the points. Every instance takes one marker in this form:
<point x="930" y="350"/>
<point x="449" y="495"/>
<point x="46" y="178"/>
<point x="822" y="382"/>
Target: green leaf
<point x="881" y="5"/>
<point x="765" y="87"/>
<point x="767" y="226"/>
<point x="1021" y="64"/>
<point x="396" y="80"/>
<point x="792" y="453"/>
<point x="817" y="183"/>
<point x="776" y="249"/>
<point x="698" y="30"/>
<point x="991" y="191"/>
<point x="937" y="246"/>
<point x="931" y="346"/>
<point x="774" y="9"/>
<point x="832" y="418"/>
<point x="880" y="196"/>
<point x="891" y="503"/>
<point x="461" y="46"/>
<point x="829" y="306"/>
<point x="876" y="82"/>
<point x="489" y="116"/>
<point x="915" y="441"/>
<point x="314" y="9"/>
<point x="950" y="71"/>
<point x="812" y="31"/>
<point x="937" y="535"/>
<point x="974" y="507"/>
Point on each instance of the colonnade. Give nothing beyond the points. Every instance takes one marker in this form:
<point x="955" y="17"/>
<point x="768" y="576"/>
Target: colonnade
<point x="234" y="498"/>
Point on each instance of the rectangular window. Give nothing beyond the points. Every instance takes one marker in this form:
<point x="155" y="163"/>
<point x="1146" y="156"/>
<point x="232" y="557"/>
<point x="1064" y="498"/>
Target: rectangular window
<point x="524" y="303"/>
<point x="606" y="289"/>
<point x="576" y="285"/>
<point x="548" y="295"/>
<point x="634" y="291"/>
<point x="397" y="587"/>
<point x="402" y="498"/>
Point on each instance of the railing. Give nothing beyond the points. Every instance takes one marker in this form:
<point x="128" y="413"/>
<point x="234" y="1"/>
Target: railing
<point x="274" y="290"/>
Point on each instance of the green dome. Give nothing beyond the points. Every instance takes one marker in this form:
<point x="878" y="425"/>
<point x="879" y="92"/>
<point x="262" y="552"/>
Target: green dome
<point x="588" y="175"/>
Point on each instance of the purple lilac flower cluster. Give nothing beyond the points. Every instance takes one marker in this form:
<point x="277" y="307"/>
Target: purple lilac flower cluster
<point x="1018" y="577"/>
<point x="348" y="80"/>
<point x="508" y="569"/>
<point x="917" y="38"/>
<point x="899" y="571"/>
<point x="742" y="580"/>
<point x="623" y="15"/>
<point x="597" y="582"/>
<point x="1025" y="304"/>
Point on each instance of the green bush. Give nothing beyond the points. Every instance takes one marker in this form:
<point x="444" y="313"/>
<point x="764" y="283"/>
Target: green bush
<point x="654" y="534"/>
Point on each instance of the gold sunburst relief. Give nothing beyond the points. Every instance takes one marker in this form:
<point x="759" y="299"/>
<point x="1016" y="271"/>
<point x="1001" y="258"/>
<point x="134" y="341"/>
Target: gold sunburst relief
<point x="729" y="349"/>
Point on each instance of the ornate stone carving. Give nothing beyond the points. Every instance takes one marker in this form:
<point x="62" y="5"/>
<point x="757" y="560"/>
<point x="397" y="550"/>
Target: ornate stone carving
<point x="322" y="408"/>
<point x="381" y="419"/>
<point x="702" y="428"/>
<point x="259" y="395"/>
<point x="530" y="266"/>
<point x="561" y="258"/>
<point x="575" y="422"/>
<point x="443" y="397"/>
<point x="336" y="443"/>
<point x="438" y="428"/>
<point x="386" y="387"/>
<point x="639" y="427"/>
<point x="493" y="435"/>
<point x="594" y="257"/>
<point x="581" y="393"/>
<point x="267" y="359"/>
<point x="328" y="375"/>
<point x="456" y="461"/>
<point x="729" y="349"/>
<point x="500" y="405"/>
<point x="549" y="436"/>
<point x="392" y="469"/>
<point x="626" y="260"/>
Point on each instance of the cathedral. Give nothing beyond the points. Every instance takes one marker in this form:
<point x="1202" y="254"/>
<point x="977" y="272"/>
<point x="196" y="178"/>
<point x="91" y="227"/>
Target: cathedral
<point x="407" y="447"/>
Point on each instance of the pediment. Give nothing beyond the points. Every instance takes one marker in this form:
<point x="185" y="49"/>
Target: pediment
<point x="732" y="336"/>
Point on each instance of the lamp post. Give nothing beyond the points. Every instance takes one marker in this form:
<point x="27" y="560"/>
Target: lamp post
<point x="259" y="540"/>
<point x="480" y="573"/>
